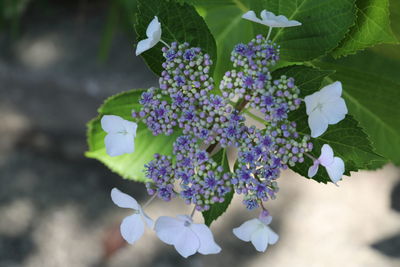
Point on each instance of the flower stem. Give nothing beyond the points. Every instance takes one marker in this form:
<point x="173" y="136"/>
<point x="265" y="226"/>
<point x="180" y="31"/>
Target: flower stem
<point x="193" y="211"/>
<point x="269" y="33"/>
<point x="167" y="45"/>
<point x="150" y="200"/>
<point x="310" y="156"/>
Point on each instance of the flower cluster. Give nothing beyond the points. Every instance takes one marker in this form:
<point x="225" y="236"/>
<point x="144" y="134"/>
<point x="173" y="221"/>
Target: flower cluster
<point x="196" y="171"/>
<point x="202" y="181"/>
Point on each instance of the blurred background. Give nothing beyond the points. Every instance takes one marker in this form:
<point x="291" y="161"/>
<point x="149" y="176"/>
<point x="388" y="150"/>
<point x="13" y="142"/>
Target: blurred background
<point x="58" y="61"/>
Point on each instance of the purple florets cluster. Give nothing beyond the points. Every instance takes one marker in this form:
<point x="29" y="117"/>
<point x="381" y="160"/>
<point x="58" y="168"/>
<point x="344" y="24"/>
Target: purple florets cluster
<point x="210" y="122"/>
<point x="186" y="83"/>
<point x="201" y="180"/>
<point x="250" y="62"/>
<point x="161" y="172"/>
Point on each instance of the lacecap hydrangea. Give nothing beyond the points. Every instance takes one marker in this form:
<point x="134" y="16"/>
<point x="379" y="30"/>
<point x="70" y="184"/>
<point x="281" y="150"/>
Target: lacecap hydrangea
<point x="210" y="120"/>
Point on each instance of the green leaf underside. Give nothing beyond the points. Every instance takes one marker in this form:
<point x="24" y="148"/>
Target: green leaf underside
<point x="372" y="27"/>
<point x="346" y="138"/>
<point x="324" y="24"/>
<point x="374" y="101"/>
<point x="179" y="22"/>
<point x="217" y="209"/>
<point x="129" y="166"/>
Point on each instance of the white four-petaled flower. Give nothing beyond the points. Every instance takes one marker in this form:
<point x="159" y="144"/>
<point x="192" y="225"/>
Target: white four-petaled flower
<point x="186" y="236"/>
<point x="120" y="138"/>
<point x="132" y="227"/>
<point x="258" y="232"/>
<point x="333" y="165"/>
<point x="325" y="107"/>
<point x="270" y="19"/>
<point x="153" y="34"/>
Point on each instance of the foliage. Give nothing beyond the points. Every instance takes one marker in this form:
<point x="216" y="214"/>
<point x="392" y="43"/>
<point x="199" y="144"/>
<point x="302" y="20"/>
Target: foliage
<point x="339" y="40"/>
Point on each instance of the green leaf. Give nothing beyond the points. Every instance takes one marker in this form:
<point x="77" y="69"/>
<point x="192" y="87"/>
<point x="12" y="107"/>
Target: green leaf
<point x="372" y="27"/>
<point x="373" y="100"/>
<point x="346" y="138"/>
<point x="229" y="29"/>
<point x="129" y="166"/>
<point x="179" y="22"/>
<point x="324" y="24"/>
<point x="217" y="209"/>
<point x="348" y="141"/>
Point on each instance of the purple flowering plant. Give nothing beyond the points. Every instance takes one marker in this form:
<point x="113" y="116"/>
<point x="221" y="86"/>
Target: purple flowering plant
<point x="215" y="127"/>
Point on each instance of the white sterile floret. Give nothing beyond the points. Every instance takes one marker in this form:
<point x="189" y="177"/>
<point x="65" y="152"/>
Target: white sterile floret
<point x="270" y="19"/>
<point x="153" y="34"/>
<point x="258" y="232"/>
<point x="333" y="165"/>
<point x="325" y="107"/>
<point x="120" y="138"/>
<point x="132" y="227"/>
<point x="187" y="237"/>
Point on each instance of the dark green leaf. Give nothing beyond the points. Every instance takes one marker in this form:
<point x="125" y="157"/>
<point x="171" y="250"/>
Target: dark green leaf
<point x="179" y="22"/>
<point x="373" y="100"/>
<point x="324" y="24"/>
<point x="218" y="209"/>
<point x="129" y="166"/>
<point x="348" y="141"/>
<point x="372" y="27"/>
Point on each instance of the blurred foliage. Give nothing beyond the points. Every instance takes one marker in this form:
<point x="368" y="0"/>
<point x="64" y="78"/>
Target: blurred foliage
<point x="10" y="13"/>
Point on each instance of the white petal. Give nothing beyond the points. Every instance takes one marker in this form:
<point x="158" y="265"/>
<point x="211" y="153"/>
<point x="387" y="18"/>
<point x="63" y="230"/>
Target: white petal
<point x="326" y="157"/>
<point x="267" y="15"/>
<point x="331" y="91"/>
<point x="270" y="19"/>
<point x="336" y="169"/>
<point x="187" y="242"/>
<point x="112" y="123"/>
<point x="259" y="239"/>
<point x="123" y="200"/>
<point x="335" y="110"/>
<point x="132" y="228"/>
<point x="149" y="222"/>
<point x="317" y="123"/>
<point x="144" y="45"/>
<point x="118" y="144"/>
<point x="205" y="236"/>
<point x="311" y="102"/>
<point x="250" y="15"/>
<point x="312" y="171"/>
<point x="167" y="229"/>
<point x="245" y="231"/>
<point x="154" y="29"/>
<point x="272" y="236"/>
<point x="265" y="219"/>
<point x="130" y="127"/>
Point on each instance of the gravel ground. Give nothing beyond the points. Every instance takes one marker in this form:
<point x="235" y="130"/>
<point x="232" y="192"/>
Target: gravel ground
<point x="54" y="203"/>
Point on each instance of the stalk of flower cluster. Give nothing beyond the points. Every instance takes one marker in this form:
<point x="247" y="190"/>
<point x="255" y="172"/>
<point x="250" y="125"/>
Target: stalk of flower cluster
<point x="149" y="201"/>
